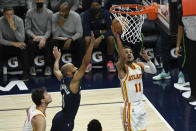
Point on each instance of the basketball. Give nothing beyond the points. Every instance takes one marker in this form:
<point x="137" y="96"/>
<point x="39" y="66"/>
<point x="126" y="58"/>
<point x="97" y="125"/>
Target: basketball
<point x="117" y="26"/>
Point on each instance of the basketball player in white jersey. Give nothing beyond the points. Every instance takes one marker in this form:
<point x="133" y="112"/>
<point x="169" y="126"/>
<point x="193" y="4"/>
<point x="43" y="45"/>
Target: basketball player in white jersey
<point x="36" y="118"/>
<point x="133" y="113"/>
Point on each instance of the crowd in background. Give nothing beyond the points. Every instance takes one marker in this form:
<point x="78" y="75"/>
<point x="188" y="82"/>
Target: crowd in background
<point x="38" y="25"/>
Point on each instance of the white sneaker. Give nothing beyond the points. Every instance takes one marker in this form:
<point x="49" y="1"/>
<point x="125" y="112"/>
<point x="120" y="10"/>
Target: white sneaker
<point x="162" y="76"/>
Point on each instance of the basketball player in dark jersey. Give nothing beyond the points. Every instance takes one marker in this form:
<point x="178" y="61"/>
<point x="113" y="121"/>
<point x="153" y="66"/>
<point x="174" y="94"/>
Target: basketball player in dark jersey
<point x="69" y="77"/>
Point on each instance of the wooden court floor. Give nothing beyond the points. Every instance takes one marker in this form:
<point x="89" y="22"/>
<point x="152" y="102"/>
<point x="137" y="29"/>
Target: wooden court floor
<point x="101" y="104"/>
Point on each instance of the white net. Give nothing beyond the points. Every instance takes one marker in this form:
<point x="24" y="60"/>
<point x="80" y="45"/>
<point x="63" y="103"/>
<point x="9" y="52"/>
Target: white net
<point x="131" y="24"/>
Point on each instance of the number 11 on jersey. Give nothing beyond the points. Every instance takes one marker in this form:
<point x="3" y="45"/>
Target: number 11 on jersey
<point x="138" y="87"/>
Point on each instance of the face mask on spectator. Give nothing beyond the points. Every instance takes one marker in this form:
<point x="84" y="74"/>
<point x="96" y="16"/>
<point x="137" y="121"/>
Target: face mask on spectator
<point x="39" y="5"/>
<point x="94" y="11"/>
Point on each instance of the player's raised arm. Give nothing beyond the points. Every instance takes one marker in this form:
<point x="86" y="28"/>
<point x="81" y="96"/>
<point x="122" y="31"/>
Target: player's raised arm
<point x="149" y="67"/>
<point x="56" y="70"/>
<point x="75" y="83"/>
<point x="122" y="57"/>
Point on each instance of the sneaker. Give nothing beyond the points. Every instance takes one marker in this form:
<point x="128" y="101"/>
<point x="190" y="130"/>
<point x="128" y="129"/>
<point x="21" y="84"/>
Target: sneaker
<point x="48" y="71"/>
<point x="110" y="67"/>
<point x="32" y="71"/>
<point x="88" y="68"/>
<point x="181" y="78"/>
<point x="162" y="76"/>
<point x="191" y="99"/>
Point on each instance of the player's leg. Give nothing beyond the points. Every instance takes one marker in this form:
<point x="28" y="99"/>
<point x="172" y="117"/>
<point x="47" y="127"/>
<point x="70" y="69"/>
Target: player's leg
<point x="57" y="122"/>
<point x="139" y="117"/>
<point x="127" y="118"/>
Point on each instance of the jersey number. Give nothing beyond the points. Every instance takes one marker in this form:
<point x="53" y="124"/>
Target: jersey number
<point x="138" y="87"/>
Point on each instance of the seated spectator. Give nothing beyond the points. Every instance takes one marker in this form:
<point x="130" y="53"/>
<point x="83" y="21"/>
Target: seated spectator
<point x="12" y="36"/>
<point x="98" y="20"/>
<point x="18" y="6"/>
<point x="38" y="29"/>
<point x="55" y="4"/>
<point x="83" y="5"/>
<point x="67" y="33"/>
<point x="94" y="125"/>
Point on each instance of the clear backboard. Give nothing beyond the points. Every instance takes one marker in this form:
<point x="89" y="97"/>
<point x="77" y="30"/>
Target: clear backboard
<point x="167" y="14"/>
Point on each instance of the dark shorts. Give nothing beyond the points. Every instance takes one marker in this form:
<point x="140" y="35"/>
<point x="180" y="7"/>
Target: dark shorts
<point x="60" y="123"/>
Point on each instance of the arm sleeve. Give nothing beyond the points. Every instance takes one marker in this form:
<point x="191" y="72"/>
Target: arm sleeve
<point x="49" y="26"/>
<point x="150" y="68"/>
<point x="79" y="30"/>
<point x="28" y="25"/>
<point x="19" y="32"/>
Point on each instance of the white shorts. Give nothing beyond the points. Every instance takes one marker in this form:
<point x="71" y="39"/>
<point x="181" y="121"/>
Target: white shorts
<point x="133" y="116"/>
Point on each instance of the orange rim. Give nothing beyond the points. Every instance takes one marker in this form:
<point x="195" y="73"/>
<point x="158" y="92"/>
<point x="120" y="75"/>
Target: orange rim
<point x="144" y="9"/>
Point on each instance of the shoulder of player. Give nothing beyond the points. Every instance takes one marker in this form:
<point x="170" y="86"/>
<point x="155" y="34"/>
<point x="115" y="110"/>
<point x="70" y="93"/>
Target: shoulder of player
<point x="38" y="121"/>
<point x="38" y="118"/>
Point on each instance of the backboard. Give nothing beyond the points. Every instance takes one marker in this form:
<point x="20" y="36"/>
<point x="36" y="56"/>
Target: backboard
<point x="167" y="14"/>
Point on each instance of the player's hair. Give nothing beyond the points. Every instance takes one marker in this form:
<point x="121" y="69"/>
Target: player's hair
<point x="7" y="9"/>
<point x="37" y="95"/>
<point x="94" y="125"/>
<point x="64" y="69"/>
<point x="65" y="5"/>
<point x="125" y="47"/>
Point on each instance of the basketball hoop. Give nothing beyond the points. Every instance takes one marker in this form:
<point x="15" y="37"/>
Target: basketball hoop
<point x="131" y="18"/>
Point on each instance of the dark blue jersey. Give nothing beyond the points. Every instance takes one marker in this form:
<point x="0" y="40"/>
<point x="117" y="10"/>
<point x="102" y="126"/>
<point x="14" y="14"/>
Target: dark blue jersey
<point x="70" y="101"/>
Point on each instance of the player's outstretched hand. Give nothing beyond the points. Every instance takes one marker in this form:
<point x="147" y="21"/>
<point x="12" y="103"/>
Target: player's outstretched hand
<point x="144" y="55"/>
<point x="56" y="53"/>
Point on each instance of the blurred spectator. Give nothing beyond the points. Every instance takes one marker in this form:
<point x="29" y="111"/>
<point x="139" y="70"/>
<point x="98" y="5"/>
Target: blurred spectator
<point x="38" y="29"/>
<point x="31" y="4"/>
<point x="12" y="36"/>
<point x="163" y="48"/>
<point x="67" y="32"/>
<point x="84" y="5"/>
<point x="98" y="20"/>
<point x="94" y="125"/>
<point x="55" y="4"/>
<point x="18" y="6"/>
<point x="186" y="25"/>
